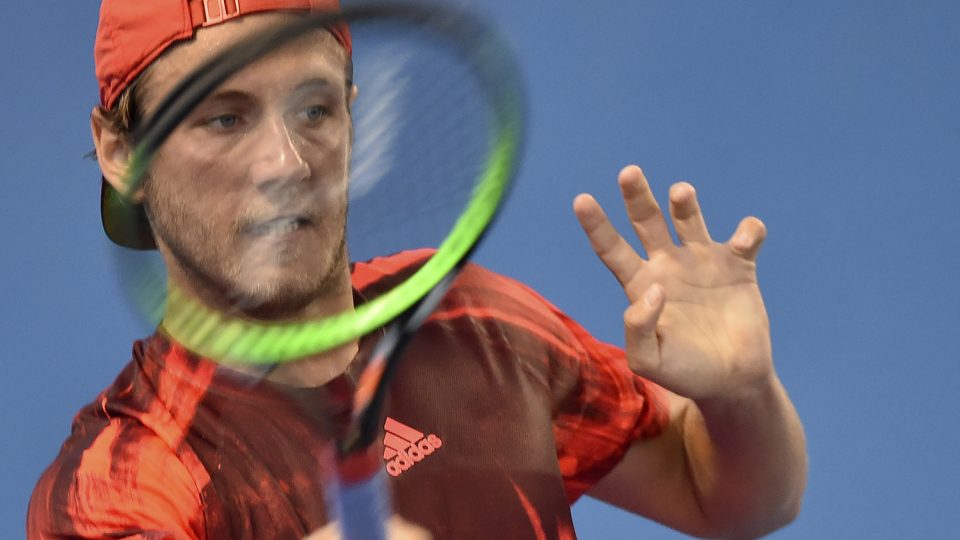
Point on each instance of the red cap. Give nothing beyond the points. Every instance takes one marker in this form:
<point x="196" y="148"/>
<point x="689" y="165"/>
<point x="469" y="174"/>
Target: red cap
<point x="133" y="33"/>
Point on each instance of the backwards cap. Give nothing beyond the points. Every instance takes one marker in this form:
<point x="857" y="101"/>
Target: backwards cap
<point x="134" y="33"/>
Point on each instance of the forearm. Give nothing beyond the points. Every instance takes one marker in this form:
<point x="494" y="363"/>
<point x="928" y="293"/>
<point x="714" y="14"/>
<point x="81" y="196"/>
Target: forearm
<point x="747" y="460"/>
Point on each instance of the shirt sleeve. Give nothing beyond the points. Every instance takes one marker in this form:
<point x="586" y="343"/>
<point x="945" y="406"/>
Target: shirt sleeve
<point x="122" y="482"/>
<point x="607" y="409"/>
<point x="600" y="406"/>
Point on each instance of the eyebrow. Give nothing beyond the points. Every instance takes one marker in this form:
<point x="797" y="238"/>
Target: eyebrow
<point x="228" y="94"/>
<point x="309" y="84"/>
<point x="320" y="84"/>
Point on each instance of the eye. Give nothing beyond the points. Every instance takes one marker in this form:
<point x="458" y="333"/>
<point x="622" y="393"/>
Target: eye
<point x="314" y="112"/>
<point x="224" y="121"/>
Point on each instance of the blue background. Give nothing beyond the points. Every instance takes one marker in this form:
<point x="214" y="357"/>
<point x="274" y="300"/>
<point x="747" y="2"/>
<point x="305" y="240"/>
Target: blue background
<point x="835" y="122"/>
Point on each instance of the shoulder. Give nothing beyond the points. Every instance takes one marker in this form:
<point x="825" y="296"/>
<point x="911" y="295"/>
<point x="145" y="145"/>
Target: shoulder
<point x="477" y="292"/>
<point x="382" y="273"/>
<point x="115" y="477"/>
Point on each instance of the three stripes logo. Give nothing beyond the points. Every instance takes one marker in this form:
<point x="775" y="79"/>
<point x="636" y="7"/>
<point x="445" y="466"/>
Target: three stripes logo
<point x="404" y="447"/>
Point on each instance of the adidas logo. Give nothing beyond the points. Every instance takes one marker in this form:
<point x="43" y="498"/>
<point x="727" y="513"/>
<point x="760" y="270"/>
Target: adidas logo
<point x="404" y="447"/>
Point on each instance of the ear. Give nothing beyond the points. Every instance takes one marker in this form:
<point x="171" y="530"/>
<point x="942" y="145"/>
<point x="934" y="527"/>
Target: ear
<point x="354" y="92"/>
<point x="113" y="153"/>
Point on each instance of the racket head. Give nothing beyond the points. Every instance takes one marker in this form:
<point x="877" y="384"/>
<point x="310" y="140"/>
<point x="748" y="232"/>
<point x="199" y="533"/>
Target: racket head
<point x="485" y="94"/>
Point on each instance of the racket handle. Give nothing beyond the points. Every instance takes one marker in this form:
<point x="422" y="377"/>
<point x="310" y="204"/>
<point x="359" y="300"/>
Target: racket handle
<point x="363" y="498"/>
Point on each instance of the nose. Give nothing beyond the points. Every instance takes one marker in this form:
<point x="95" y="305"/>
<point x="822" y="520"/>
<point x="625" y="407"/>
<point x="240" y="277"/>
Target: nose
<point x="278" y="159"/>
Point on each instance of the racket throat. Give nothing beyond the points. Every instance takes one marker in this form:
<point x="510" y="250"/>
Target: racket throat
<point x="367" y="417"/>
<point x="360" y="499"/>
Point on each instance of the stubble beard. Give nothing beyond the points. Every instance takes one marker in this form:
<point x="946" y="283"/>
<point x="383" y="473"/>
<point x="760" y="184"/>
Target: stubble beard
<point x="233" y="282"/>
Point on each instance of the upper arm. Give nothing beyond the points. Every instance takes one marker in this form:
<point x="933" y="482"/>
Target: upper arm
<point x="124" y="483"/>
<point x="654" y="478"/>
<point x="609" y="425"/>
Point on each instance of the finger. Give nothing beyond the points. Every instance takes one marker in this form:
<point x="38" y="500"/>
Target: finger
<point x="401" y="529"/>
<point x="748" y="238"/>
<point x="618" y="256"/>
<point x="640" y="323"/>
<point x="687" y="218"/>
<point x="644" y="212"/>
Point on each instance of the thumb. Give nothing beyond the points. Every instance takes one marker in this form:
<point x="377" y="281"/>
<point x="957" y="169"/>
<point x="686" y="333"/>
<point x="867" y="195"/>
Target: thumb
<point x="640" y="324"/>
<point x="330" y="531"/>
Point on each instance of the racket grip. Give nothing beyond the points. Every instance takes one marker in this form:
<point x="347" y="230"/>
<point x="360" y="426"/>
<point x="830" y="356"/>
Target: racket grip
<point x="364" y="505"/>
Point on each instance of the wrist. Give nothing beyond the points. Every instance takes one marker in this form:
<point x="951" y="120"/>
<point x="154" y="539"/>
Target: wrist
<point x="762" y="394"/>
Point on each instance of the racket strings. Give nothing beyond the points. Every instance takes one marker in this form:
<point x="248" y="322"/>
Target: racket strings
<point x="422" y="134"/>
<point x="437" y="136"/>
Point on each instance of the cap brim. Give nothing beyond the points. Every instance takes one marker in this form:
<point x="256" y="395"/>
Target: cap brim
<point x="126" y="224"/>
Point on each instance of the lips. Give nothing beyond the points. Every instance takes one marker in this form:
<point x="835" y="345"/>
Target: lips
<point x="278" y="226"/>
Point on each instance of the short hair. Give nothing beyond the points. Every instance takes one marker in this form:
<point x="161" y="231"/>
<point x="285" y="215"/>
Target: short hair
<point x="127" y="113"/>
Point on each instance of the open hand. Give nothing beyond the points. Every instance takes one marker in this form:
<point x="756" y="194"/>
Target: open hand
<point x="696" y="323"/>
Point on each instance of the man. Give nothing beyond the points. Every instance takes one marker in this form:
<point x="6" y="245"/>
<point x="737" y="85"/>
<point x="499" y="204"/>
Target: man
<point x="245" y="202"/>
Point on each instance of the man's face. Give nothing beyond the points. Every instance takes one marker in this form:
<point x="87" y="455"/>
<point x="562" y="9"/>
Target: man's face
<point x="247" y="197"/>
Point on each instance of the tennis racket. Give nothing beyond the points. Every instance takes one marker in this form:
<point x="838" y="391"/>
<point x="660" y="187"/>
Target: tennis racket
<point x="438" y="135"/>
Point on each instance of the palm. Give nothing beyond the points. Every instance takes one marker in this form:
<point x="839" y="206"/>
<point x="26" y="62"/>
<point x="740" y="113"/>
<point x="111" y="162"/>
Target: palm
<point x="712" y="334"/>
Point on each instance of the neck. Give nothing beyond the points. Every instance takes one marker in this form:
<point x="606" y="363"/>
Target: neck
<point x="310" y="371"/>
<point x="315" y="370"/>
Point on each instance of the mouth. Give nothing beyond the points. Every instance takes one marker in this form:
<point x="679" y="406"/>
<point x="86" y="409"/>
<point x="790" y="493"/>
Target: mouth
<point x="279" y="226"/>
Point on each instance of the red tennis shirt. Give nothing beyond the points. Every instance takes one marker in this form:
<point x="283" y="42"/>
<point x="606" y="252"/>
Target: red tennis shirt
<point x="503" y="413"/>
